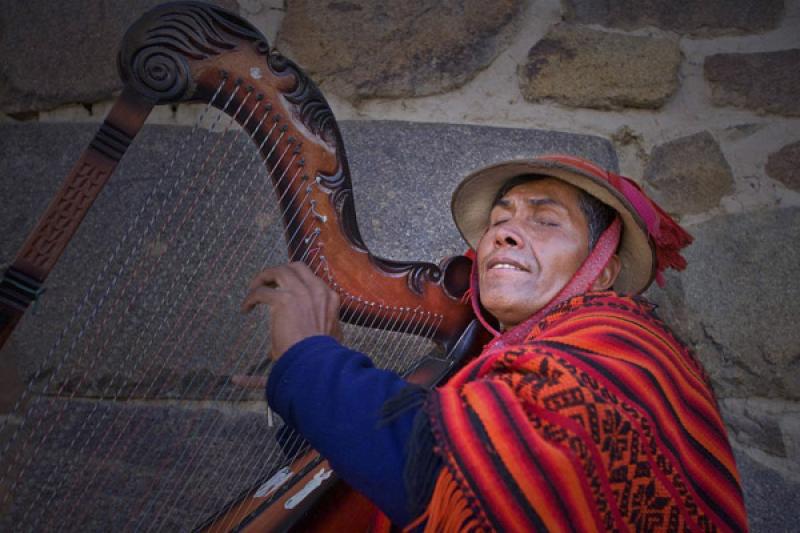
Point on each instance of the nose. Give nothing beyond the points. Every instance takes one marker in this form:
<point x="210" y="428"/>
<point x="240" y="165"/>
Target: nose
<point x="507" y="236"/>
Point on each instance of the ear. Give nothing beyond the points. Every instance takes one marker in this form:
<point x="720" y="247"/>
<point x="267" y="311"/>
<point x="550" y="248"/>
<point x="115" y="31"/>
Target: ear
<point x="608" y="275"/>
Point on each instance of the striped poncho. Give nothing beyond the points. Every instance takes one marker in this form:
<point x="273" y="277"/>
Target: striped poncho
<point x="599" y="419"/>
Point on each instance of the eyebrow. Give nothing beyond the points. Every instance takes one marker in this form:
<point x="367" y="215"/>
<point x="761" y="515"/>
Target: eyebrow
<point x="536" y="202"/>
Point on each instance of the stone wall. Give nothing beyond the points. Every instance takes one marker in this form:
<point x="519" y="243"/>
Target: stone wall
<point x="699" y="98"/>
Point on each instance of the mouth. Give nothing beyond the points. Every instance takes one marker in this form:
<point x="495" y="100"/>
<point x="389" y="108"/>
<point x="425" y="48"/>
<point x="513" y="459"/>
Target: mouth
<point x="505" y="263"/>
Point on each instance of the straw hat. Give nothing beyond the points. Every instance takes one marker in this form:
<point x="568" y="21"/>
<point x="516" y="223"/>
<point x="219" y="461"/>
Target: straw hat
<point x="651" y="240"/>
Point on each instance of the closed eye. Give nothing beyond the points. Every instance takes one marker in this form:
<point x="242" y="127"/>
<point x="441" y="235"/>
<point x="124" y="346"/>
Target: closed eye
<point x="545" y="222"/>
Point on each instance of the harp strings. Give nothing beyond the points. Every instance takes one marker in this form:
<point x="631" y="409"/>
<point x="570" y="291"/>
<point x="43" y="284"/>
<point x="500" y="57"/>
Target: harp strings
<point x="291" y="240"/>
<point x="170" y="330"/>
<point x="98" y="291"/>
<point x="198" y="321"/>
<point x="166" y="499"/>
<point x="27" y="392"/>
<point x="44" y="434"/>
<point x="187" y="476"/>
<point x="79" y="437"/>
<point x="230" y="356"/>
<point x="165" y="503"/>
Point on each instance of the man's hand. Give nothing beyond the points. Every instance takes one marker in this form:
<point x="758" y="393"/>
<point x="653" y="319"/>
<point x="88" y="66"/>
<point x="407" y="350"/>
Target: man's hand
<point x="301" y="305"/>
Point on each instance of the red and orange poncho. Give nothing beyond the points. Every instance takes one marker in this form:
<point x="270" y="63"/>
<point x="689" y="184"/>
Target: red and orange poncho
<point x="598" y="420"/>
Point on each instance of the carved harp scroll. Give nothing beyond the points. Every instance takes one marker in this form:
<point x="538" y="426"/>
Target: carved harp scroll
<point x="195" y="52"/>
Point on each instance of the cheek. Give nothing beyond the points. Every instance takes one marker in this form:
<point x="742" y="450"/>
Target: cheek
<point x="569" y="257"/>
<point x="483" y="247"/>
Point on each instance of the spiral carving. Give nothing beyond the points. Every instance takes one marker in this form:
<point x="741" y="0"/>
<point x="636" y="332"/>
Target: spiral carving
<point x="155" y="52"/>
<point x="417" y="273"/>
<point x="315" y="112"/>
<point x="161" y="73"/>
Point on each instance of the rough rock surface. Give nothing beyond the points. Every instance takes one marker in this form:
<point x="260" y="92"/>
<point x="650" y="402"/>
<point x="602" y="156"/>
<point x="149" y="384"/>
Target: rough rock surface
<point x="742" y="275"/>
<point x="766" y="82"/>
<point x="784" y="165"/>
<point x="771" y="499"/>
<point x="771" y="426"/>
<point x="582" y="67"/>
<point x="694" y="17"/>
<point x="689" y="175"/>
<point x="407" y="171"/>
<point x="57" y="53"/>
<point x="361" y="48"/>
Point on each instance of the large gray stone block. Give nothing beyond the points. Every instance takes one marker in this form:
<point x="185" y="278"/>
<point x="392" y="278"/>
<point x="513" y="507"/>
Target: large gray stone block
<point x="768" y="425"/>
<point x="772" y="500"/>
<point x="103" y="466"/>
<point x="120" y="276"/>
<point x="403" y="175"/>
<point x="408" y="171"/>
<point x="741" y="297"/>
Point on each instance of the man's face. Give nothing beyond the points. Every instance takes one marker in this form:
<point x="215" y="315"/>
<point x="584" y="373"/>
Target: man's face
<point x="537" y="239"/>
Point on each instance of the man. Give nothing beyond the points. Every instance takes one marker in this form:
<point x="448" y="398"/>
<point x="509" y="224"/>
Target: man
<point x="583" y="413"/>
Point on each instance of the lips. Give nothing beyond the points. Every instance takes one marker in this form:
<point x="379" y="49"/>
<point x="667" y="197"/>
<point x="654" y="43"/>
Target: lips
<point x="505" y="263"/>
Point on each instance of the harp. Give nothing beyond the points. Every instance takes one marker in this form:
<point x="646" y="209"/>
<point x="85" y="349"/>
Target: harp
<point x="145" y="312"/>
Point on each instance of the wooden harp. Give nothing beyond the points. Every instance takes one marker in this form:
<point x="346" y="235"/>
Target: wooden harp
<point x="194" y="52"/>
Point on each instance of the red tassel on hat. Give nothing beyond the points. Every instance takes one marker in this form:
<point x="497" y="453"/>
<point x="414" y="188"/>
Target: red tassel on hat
<point x="667" y="235"/>
<point x="670" y="238"/>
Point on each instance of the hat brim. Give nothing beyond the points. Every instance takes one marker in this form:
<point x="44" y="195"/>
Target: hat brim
<point x="473" y="198"/>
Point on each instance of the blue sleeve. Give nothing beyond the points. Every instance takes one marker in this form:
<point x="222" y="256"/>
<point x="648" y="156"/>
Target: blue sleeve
<point x="333" y="397"/>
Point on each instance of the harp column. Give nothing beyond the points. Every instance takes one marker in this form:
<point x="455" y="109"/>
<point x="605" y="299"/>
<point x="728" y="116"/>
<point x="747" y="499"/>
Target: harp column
<point x="23" y="281"/>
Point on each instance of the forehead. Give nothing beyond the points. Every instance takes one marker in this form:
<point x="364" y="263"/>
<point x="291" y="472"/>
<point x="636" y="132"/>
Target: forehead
<point x="547" y="188"/>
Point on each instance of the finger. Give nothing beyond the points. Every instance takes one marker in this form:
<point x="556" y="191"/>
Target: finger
<point x="334" y="325"/>
<point x="320" y="290"/>
<point x="269" y="277"/>
<point x="333" y="308"/>
<point x="261" y="295"/>
<point x="306" y="275"/>
<point x="279" y="276"/>
<point x="249" y="382"/>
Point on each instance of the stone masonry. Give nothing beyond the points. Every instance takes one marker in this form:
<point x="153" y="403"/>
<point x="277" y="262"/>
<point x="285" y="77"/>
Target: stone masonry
<point x="581" y="67"/>
<point x="699" y="100"/>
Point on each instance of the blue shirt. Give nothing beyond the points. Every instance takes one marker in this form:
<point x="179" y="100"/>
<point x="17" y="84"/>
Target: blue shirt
<point x="332" y="396"/>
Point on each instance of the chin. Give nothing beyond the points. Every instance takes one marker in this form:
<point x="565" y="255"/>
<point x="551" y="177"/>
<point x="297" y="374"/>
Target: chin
<point x="504" y="310"/>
